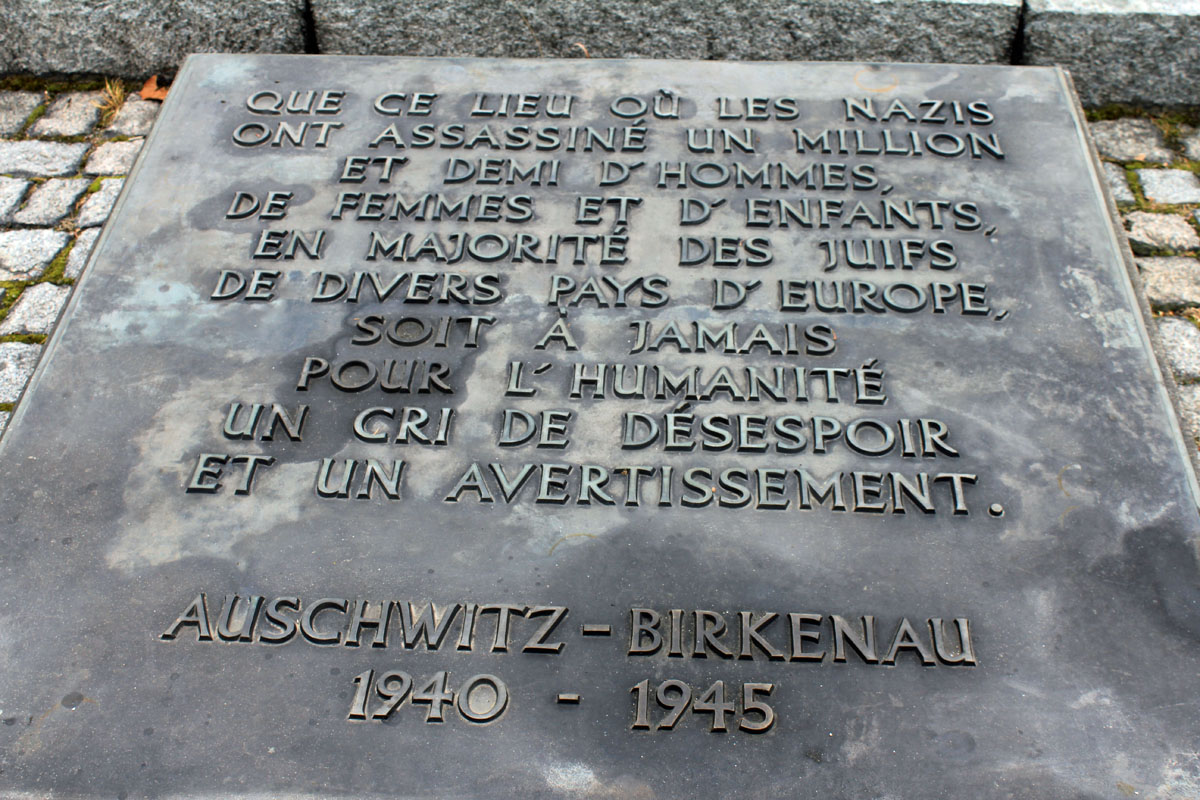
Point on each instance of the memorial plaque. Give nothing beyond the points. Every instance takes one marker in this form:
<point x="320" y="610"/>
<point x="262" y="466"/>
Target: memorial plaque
<point x="468" y="428"/>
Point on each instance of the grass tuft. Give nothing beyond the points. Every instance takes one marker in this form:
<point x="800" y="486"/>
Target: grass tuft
<point x="112" y="100"/>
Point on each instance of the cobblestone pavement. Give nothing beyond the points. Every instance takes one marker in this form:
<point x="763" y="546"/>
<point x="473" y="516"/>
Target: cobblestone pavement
<point x="1152" y="165"/>
<point x="63" y="160"/>
<point x="64" y="153"/>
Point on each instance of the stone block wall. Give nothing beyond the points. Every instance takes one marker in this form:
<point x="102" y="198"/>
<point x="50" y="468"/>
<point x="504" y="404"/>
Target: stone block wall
<point x="1127" y="51"/>
<point x="963" y="31"/>
<point x="1119" y="51"/>
<point x="136" y="38"/>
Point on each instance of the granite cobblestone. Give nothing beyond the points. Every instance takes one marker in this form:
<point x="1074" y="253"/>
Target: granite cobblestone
<point x="98" y="205"/>
<point x="77" y="258"/>
<point x="1171" y="283"/>
<point x="113" y="158"/>
<point x="1130" y="139"/>
<point x="1181" y="341"/>
<point x="1149" y="232"/>
<point x="1118" y="183"/>
<point x="41" y="159"/>
<point x="35" y="310"/>
<point x="15" y="108"/>
<point x="25" y="254"/>
<point x="1169" y="185"/>
<point x="134" y="118"/>
<point x="1189" y="406"/>
<point x="51" y="202"/>
<point x="71" y="114"/>
<point x="11" y="192"/>
<point x="17" y="361"/>
<point x="1191" y="144"/>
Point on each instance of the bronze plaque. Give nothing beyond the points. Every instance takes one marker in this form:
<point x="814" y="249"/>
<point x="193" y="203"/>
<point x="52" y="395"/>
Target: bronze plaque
<point x="469" y="428"/>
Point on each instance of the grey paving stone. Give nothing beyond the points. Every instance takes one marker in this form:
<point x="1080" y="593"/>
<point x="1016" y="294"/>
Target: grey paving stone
<point x="1130" y="139"/>
<point x="1191" y="143"/>
<point x="45" y="159"/>
<point x="140" y="39"/>
<point x="15" y="108"/>
<point x="1189" y="409"/>
<point x="135" y="117"/>
<point x="51" y="202"/>
<point x="1171" y="282"/>
<point x="1169" y="185"/>
<point x="70" y="114"/>
<point x="98" y="205"/>
<point x="77" y="258"/>
<point x="36" y="310"/>
<point x="25" y="254"/>
<point x="971" y="31"/>
<point x="1160" y="232"/>
<point x="11" y="192"/>
<point x="1119" y="51"/>
<point x="1118" y="183"/>
<point x="113" y="158"/>
<point x="1181" y="343"/>
<point x="17" y="361"/>
<point x="4" y="415"/>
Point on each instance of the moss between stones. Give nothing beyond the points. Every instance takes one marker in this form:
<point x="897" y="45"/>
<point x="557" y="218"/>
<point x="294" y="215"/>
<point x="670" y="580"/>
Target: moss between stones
<point x="54" y="272"/>
<point x="1135" y="185"/>
<point x="11" y="291"/>
<point x="32" y="118"/>
<point x="1172" y="117"/>
<point x="64" y="139"/>
<point x="31" y="83"/>
<point x="1141" y="203"/>
<point x="24" y="338"/>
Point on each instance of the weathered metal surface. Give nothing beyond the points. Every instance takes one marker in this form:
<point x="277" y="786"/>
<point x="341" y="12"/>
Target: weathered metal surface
<point x="1075" y="562"/>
